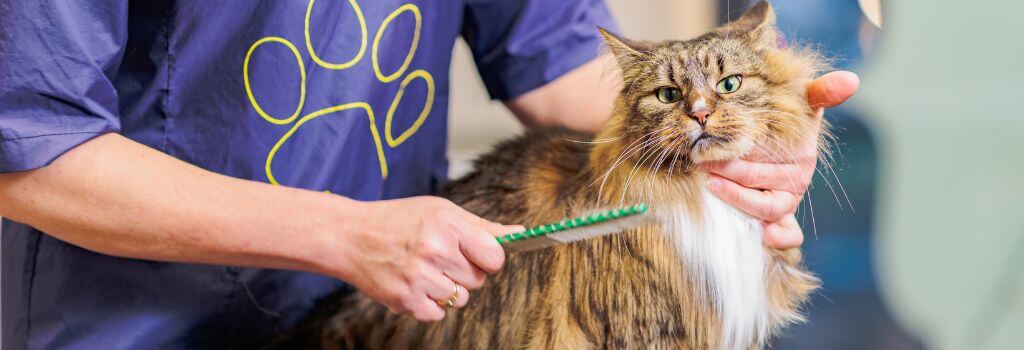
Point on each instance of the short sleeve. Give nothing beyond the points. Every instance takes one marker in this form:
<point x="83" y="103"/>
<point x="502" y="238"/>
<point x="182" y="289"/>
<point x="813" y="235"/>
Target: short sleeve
<point x="57" y="60"/>
<point x="521" y="45"/>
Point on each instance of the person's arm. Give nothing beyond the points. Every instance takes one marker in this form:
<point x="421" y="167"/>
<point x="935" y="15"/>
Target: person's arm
<point x="582" y="99"/>
<point x="759" y="185"/>
<point x="114" y="196"/>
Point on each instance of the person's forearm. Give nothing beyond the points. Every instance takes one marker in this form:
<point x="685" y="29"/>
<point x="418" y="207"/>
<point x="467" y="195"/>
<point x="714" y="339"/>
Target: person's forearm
<point x="580" y="100"/>
<point x="117" y="197"/>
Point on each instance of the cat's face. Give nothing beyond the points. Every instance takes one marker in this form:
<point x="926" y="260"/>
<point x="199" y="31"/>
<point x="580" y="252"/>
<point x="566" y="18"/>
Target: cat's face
<point x="716" y="97"/>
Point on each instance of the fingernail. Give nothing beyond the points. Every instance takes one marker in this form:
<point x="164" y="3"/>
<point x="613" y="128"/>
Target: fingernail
<point x="714" y="184"/>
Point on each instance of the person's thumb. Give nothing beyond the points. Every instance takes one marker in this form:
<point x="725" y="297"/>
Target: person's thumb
<point x="832" y="89"/>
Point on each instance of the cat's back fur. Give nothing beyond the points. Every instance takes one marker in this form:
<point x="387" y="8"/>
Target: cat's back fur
<point x="577" y="301"/>
<point x="621" y="291"/>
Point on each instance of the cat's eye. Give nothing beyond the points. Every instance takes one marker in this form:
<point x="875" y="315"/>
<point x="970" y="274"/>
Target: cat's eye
<point x="669" y="95"/>
<point x="730" y="84"/>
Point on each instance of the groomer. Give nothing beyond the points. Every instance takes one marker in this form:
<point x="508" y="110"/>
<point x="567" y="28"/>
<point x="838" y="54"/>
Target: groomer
<point x="169" y="166"/>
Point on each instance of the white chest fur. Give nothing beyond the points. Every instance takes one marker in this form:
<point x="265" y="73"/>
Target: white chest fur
<point x="725" y="258"/>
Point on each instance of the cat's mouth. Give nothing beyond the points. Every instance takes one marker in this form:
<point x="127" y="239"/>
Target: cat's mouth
<point x="705" y="139"/>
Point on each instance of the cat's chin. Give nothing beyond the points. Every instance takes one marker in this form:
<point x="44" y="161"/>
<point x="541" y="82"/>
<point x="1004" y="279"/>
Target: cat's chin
<point x="715" y="151"/>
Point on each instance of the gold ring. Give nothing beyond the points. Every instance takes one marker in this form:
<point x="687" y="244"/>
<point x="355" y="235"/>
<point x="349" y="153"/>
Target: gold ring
<point x="450" y="302"/>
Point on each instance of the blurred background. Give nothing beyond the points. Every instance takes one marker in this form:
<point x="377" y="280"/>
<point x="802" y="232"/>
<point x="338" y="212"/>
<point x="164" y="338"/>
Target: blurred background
<point x="916" y="229"/>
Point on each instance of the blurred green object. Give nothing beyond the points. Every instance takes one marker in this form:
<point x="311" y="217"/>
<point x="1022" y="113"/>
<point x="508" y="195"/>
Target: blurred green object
<point x="943" y="94"/>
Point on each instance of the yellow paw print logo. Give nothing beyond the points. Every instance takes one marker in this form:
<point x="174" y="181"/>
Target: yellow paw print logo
<point x="296" y="121"/>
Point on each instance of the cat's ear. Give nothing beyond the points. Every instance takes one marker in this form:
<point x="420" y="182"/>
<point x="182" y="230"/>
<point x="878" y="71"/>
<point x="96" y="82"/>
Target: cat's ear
<point x="759" y="25"/>
<point x="626" y="52"/>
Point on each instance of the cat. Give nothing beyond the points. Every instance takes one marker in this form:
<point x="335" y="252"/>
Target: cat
<point x="697" y="277"/>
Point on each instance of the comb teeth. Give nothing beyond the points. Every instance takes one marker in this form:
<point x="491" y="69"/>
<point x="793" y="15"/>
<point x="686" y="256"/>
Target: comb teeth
<point x="575" y="229"/>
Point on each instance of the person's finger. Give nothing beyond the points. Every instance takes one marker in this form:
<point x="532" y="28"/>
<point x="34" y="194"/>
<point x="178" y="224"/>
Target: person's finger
<point x="765" y="205"/>
<point x="425" y="309"/>
<point x="783" y="234"/>
<point x="460" y="270"/>
<point x="437" y="286"/>
<point x="463" y="298"/>
<point x="478" y="245"/>
<point x="832" y="89"/>
<point x="506" y="229"/>
<point x="395" y="301"/>
<point x="792" y="178"/>
<point x="804" y="153"/>
<point x="495" y="229"/>
<point x="441" y="288"/>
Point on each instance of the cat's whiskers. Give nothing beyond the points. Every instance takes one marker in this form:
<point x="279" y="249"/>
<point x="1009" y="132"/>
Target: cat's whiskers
<point x="838" y="183"/>
<point x="631" y="148"/>
<point x="623" y="244"/>
<point x="653" y="171"/>
<point x="810" y="207"/>
<point x="797" y="130"/>
<point x="768" y="151"/>
<point x="643" y="159"/>
<point x="776" y="158"/>
<point x="823" y="159"/>
<point x="771" y="152"/>
<point x="826" y="138"/>
<point x="627" y="152"/>
<point x="595" y="141"/>
<point x="675" y="151"/>
<point x="672" y="166"/>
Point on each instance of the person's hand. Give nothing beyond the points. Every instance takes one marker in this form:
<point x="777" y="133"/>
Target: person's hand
<point x="770" y="187"/>
<point x="409" y="254"/>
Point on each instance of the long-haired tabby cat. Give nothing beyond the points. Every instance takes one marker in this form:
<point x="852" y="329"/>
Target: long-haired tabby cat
<point x="697" y="277"/>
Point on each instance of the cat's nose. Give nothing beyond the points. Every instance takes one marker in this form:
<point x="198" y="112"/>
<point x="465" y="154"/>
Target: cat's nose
<point x="701" y="116"/>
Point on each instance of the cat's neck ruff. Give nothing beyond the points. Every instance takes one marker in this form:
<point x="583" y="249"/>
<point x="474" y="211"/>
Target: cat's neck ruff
<point x="726" y="265"/>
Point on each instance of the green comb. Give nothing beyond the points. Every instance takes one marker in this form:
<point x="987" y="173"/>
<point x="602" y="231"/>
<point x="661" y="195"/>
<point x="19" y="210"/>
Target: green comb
<point x="572" y="230"/>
